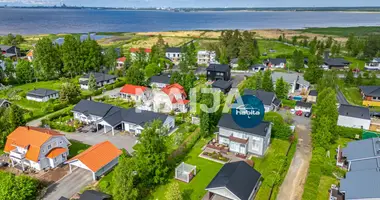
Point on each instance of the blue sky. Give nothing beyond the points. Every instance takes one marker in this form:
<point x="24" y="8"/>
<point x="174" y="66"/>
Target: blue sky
<point x="197" y="3"/>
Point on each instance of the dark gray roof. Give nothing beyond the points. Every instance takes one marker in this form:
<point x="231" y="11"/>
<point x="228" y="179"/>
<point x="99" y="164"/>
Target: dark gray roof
<point x="218" y="68"/>
<point x="361" y="184"/>
<point x="113" y="115"/>
<point x="275" y="61"/>
<point x="266" y="97"/>
<point x="226" y="121"/>
<point x="304" y="104"/>
<point x="237" y="177"/>
<point x="336" y="62"/>
<point x="41" y="93"/>
<point x="277" y="102"/>
<point x="163" y="78"/>
<point x="99" y="77"/>
<point x="222" y="84"/>
<point x="362" y="149"/>
<point x="313" y="93"/>
<point x="94" y="195"/>
<point x="354" y="111"/>
<point x="5" y="47"/>
<point x="173" y="50"/>
<point x="366" y="164"/>
<point x="373" y="91"/>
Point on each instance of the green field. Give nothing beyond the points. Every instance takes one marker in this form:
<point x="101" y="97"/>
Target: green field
<point x="279" y="47"/>
<point x="344" y="31"/>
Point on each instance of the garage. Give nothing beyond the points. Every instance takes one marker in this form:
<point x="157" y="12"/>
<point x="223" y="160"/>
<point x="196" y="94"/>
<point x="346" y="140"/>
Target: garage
<point x="98" y="159"/>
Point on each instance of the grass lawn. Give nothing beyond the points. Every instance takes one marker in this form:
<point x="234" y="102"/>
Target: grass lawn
<point x="269" y="166"/>
<point x="206" y="170"/>
<point x="324" y="186"/>
<point x="77" y="148"/>
<point x="105" y="184"/>
<point x="117" y="102"/>
<point x="280" y="48"/>
<point x="352" y="94"/>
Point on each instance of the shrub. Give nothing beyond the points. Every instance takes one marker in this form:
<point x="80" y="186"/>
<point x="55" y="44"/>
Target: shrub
<point x="288" y="103"/>
<point x="347" y="132"/>
<point x="18" y="187"/>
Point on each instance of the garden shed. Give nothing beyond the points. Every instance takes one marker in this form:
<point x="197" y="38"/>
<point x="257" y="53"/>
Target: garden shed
<point x="185" y="172"/>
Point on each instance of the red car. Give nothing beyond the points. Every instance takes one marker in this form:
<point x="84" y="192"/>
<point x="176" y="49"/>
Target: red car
<point x="299" y="113"/>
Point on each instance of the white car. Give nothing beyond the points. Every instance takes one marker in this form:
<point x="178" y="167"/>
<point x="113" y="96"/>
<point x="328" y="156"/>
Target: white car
<point x="293" y="111"/>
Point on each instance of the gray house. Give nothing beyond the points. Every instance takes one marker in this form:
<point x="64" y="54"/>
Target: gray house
<point x="101" y="80"/>
<point x="269" y="99"/>
<point x="244" y="140"/>
<point x="42" y="95"/>
<point x="354" y="117"/>
<point x="295" y="80"/>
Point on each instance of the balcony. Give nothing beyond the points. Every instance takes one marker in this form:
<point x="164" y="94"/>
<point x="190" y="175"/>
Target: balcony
<point x="16" y="154"/>
<point x="238" y="140"/>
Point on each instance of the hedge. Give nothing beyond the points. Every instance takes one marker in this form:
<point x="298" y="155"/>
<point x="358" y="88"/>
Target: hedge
<point x="347" y="132"/>
<point x="18" y="187"/>
<point x="288" y="103"/>
<point x="54" y="125"/>
<point x="315" y="173"/>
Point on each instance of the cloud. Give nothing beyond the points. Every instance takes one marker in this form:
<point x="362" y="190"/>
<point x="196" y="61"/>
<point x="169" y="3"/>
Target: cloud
<point x="32" y="2"/>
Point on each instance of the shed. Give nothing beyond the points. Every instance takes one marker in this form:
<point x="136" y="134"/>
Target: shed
<point x="185" y="172"/>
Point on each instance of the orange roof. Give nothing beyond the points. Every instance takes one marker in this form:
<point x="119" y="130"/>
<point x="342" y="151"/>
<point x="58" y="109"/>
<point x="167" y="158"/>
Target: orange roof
<point x="133" y="50"/>
<point x="56" y="152"/>
<point x="31" y="137"/>
<point x="30" y="53"/>
<point x="133" y="89"/>
<point x="174" y="89"/>
<point x="122" y="59"/>
<point x="98" y="155"/>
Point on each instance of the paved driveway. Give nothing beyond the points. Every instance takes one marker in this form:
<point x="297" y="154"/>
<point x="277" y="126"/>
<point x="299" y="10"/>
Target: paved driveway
<point x="298" y="120"/>
<point x="69" y="185"/>
<point x="120" y="141"/>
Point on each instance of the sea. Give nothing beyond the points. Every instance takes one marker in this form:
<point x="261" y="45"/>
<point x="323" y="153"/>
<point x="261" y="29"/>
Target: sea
<point x="44" y="21"/>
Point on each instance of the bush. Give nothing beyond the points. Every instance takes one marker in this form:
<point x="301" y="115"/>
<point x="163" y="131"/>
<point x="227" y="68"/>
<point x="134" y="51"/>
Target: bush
<point x="18" y="187"/>
<point x="347" y="132"/>
<point x="280" y="129"/>
<point x="50" y="120"/>
<point x="288" y="103"/>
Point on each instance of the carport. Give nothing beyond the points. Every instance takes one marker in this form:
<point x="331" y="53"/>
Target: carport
<point x="98" y="159"/>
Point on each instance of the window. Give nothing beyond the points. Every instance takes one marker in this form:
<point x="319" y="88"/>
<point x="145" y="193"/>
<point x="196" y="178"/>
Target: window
<point x="255" y="144"/>
<point x="49" y="146"/>
<point x="60" y="142"/>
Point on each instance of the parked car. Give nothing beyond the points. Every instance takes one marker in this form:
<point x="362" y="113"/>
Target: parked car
<point x="4" y="164"/>
<point x="299" y="113"/>
<point x="292" y="111"/>
<point x="308" y="114"/>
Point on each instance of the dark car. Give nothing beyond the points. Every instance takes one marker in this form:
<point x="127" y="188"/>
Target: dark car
<point x="4" y="164"/>
<point x="307" y="114"/>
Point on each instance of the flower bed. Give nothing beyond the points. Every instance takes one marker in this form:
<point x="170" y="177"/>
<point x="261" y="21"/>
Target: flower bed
<point x="216" y="155"/>
<point x="216" y="146"/>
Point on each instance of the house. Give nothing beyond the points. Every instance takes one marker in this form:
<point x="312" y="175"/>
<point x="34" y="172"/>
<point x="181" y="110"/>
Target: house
<point x="275" y="62"/>
<point x="176" y="95"/>
<point x="98" y="159"/>
<point x="206" y="57"/>
<point x="303" y="106"/>
<point x="373" y="65"/>
<point x="101" y="80"/>
<point x="297" y="84"/>
<point x="4" y="103"/>
<point x="242" y="141"/>
<point x="94" y="195"/>
<point x="174" y="54"/>
<point x="269" y="99"/>
<point x="160" y="81"/>
<point x="312" y="97"/>
<point x="371" y="95"/>
<point x="258" y="67"/>
<point x="10" y="51"/>
<point x="134" y="92"/>
<point x="234" y="62"/>
<point x="335" y="63"/>
<point x="223" y="86"/>
<point x="120" y="62"/>
<point x="37" y="148"/>
<point x="218" y="72"/>
<point x="362" y="159"/>
<point x="112" y="117"/>
<point x="42" y="95"/>
<point x="30" y="55"/>
<point x="354" y="117"/>
<point x="135" y="51"/>
<point x="234" y="181"/>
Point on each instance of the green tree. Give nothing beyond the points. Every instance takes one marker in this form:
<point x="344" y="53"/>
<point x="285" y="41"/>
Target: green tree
<point x="9" y="70"/>
<point x="20" y="187"/>
<point x="247" y="50"/>
<point x="70" y="92"/>
<point x="92" y="83"/>
<point x="189" y="81"/>
<point x="298" y="60"/>
<point x="322" y="134"/>
<point x="373" y="79"/>
<point x="125" y="180"/>
<point x="359" y="80"/>
<point x="329" y="42"/>
<point x="152" y="69"/>
<point x="16" y="117"/>
<point x="313" y="74"/>
<point x="173" y="192"/>
<point x="267" y="84"/>
<point x="259" y="80"/>
<point x="349" y="79"/>
<point x="372" y="46"/>
<point x="281" y="89"/>
<point x="110" y="58"/>
<point x="24" y="72"/>
<point x="91" y="54"/>
<point x="47" y="62"/>
<point x="135" y="76"/>
<point x="70" y="54"/>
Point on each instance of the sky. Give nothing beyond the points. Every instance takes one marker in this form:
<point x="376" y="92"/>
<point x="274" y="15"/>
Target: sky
<point x="196" y="3"/>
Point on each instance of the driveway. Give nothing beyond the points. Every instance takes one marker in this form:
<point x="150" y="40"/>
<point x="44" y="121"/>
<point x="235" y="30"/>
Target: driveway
<point x="69" y="185"/>
<point x="340" y="98"/>
<point x="120" y="141"/>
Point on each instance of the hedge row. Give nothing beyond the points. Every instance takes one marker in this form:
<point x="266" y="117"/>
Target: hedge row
<point x="54" y="125"/>
<point x="315" y="173"/>
<point x="118" y="83"/>
<point x="288" y="103"/>
<point x="181" y="152"/>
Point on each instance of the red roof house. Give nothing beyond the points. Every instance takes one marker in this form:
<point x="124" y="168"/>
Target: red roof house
<point x="133" y="92"/>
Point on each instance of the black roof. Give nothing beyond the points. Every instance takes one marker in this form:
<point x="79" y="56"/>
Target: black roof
<point x="373" y="91"/>
<point x="41" y="92"/>
<point x="94" y="195"/>
<point x="265" y="97"/>
<point x="218" y="68"/>
<point x="238" y="177"/>
<point x="222" y="84"/>
<point x="354" y="111"/>
<point x="258" y="66"/>
<point x="313" y="93"/>
<point x="336" y="62"/>
<point x="275" y="61"/>
<point x="5" y="47"/>
<point x="163" y="78"/>
<point x="173" y="50"/>
<point x="277" y="102"/>
<point x="99" y="77"/>
<point x="226" y="121"/>
<point x="113" y="115"/>
<point x="304" y="104"/>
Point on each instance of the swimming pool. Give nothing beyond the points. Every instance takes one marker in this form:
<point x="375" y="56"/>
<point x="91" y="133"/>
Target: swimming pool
<point x="297" y="98"/>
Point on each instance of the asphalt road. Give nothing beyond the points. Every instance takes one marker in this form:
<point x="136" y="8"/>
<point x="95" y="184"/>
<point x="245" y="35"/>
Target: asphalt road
<point x="340" y="98"/>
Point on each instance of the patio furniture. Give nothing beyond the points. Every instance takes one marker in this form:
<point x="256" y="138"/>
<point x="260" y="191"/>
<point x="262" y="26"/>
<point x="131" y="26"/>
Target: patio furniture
<point x="185" y="172"/>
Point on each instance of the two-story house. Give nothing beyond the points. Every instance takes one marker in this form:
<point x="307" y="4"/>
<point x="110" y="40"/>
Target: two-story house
<point x="174" y="54"/>
<point x="244" y="141"/>
<point x="297" y="83"/>
<point x="275" y="62"/>
<point x="216" y="72"/>
<point x="176" y="95"/>
<point x="269" y="99"/>
<point x="206" y="57"/>
<point x="371" y="95"/>
<point x="134" y="92"/>
<point x="37" y="148"/>
<point x="101" y="80"/>
<point x="160" y="81"/>
<point x="354" y="117"/>
<point x="42" y="95"/>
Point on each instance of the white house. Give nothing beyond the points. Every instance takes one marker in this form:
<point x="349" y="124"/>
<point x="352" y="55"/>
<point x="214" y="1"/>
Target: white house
<point x="98" y="159"/>
<point x="101" y="80"/>
<point x="36" y="148"/>
<point x="111" y="117"/>
<point x="269" y="99"/>
<point x="174" y="54"/>
<point x="206" y="57"/>
<point x="275" y="62"/>
<point x="42" y="95"/>
<point x="297" y="84"/>
<point x="135" y="93"/>
<point x="354" y="117"/>
<point x="244" y="141"/>
<point x="303" y="106"/>
<point x="160" y="81"/>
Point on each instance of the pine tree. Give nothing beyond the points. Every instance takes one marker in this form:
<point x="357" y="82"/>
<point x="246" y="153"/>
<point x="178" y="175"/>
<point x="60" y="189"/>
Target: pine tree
<point x="259" y="80"/>
<point x="92" y="82"/>
<point x="359" y="80"/>
<point x="349" y="79"/>
<point x="267" y="84"/>
<point x="281" y="90"/>
<point x="16" y="117"/>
